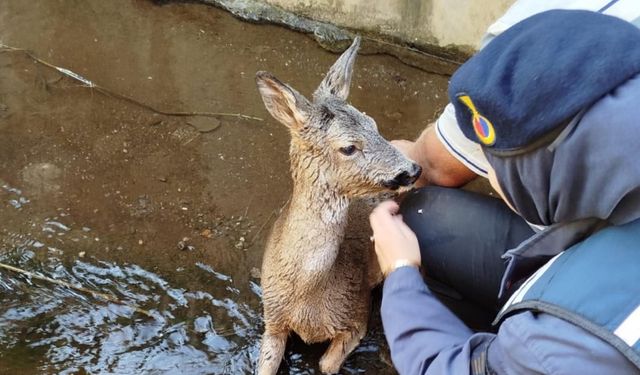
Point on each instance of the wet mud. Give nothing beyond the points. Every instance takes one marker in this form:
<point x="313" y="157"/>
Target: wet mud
<point x="167" y="214"/>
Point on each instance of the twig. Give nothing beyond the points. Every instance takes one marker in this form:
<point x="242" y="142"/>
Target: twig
<point x="255" y="236"/>
<point x="106" y="91"/>
<point x="104" y="296"/>
<point x="415" y="50"/>
<point x="246" y="211"/>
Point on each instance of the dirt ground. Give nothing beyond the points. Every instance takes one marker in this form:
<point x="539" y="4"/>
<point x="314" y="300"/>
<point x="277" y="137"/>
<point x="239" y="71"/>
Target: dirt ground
<point x="164" y="212"/>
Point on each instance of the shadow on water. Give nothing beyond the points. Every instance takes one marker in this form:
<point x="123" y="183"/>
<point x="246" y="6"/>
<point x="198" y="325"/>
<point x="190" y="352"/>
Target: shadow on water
<point x="100" y="193"/>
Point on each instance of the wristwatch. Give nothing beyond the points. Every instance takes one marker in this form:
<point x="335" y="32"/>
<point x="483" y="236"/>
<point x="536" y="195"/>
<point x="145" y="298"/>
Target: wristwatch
<point x="402" y="263"/>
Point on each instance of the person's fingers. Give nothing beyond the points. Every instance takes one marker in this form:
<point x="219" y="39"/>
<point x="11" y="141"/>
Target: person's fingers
<point x="382" y="216"/>
<point x="399" y="219"/>
<point x="384" y="228"/>
<point x="388" y="206"/>
<point x="398" y="222"/>
<point x="405" y="230"/>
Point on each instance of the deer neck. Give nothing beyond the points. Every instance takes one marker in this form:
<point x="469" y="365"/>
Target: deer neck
<point x="317" y="215"/>
<point x="319" y="202"/>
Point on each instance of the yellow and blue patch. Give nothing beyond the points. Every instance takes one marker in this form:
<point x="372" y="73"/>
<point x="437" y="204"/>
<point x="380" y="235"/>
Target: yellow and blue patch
<point x="481" y="125"/>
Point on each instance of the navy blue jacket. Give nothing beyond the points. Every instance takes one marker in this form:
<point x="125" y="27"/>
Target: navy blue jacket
<point x="426" y="338"/>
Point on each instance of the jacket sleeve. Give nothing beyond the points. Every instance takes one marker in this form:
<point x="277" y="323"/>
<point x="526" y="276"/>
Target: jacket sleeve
<point x="426" y="338"/>
<point x="423" y="335"/>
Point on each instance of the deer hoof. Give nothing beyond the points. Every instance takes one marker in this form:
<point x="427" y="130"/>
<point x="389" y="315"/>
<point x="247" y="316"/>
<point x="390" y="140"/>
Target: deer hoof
<point x="329" y="366"/>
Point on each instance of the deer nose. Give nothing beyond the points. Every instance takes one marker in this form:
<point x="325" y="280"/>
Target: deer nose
<point x="407" y="178"/>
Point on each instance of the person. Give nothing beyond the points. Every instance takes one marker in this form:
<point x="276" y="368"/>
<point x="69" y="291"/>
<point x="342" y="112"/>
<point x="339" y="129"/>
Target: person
<point x="448" y="158"/>
<point x="550" y="105"/>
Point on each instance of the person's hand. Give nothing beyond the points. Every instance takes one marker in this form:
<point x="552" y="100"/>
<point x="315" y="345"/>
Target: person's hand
<point x="395" y="243"/>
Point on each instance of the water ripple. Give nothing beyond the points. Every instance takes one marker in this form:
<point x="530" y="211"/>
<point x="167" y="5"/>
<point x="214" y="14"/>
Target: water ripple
<point x="193" y="331"/>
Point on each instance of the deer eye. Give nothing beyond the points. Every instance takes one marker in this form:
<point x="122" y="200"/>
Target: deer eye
<point x="348" y="150"/>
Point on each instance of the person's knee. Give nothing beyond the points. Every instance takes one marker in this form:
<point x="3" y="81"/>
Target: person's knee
<point x="432" y="204"/>
<point x="440" y="215"/>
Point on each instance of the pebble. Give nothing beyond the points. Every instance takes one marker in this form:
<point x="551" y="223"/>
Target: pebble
<point x="184" y="244"/>
<point x="255" y="273"/>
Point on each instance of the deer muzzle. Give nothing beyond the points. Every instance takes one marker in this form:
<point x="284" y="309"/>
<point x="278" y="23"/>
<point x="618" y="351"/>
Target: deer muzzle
<point x="404" y="178"/>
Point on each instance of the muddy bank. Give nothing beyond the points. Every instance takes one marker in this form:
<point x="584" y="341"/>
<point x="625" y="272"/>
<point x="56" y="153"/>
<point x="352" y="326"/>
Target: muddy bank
<point x="100" y="192"/>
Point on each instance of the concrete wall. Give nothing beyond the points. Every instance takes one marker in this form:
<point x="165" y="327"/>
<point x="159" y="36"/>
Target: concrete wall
<point x="444" y="23"/>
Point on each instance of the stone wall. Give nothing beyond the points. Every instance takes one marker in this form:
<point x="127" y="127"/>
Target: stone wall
<point x="443" y="23"/>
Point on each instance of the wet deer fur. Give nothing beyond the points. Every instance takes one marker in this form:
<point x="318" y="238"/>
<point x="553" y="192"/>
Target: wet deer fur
<point x="310" y="285"/>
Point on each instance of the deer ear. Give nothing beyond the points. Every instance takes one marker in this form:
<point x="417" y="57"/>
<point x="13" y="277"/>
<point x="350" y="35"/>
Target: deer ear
<point x="283" y="102"/>
<point x="338" y="80"/>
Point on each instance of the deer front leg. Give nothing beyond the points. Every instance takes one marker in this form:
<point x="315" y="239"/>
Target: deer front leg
<point x="341" y="346"/>
<point x="271" y="351"/>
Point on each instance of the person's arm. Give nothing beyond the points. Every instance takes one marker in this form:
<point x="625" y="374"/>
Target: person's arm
<point x="439" y="167"/>
<point x="423" y="335"/>
<point x="426" y="338"/>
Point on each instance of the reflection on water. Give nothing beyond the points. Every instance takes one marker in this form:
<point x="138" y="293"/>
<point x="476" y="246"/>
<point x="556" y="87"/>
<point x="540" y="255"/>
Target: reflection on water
<point x="19" y="200"/>
<point x="191" y="331"/>
<point x="201" y="331"/>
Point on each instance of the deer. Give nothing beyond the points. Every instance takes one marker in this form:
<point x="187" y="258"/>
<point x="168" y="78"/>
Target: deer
<point x="309" y="284"/>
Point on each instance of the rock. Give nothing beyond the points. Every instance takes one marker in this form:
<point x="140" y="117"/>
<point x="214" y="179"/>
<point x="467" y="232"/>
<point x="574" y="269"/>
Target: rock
<point x="255" y="273"/>
<point x="204" y="124"/>
<point x="184" y="244"/>
<point x="156" y="122"/>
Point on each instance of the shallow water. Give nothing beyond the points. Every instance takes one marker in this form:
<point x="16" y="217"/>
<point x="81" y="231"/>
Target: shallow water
<point x="104" y="194"/>
<point x="187" y="329"/>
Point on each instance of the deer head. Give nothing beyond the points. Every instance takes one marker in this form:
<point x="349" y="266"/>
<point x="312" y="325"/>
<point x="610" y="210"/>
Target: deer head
<point x="333" y="142"/>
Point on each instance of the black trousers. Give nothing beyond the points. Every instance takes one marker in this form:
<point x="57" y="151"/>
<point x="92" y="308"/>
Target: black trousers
<point x="462" y="236"/>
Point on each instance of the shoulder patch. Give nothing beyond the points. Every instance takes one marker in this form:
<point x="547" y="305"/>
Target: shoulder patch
<point x="481" y="125"/>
